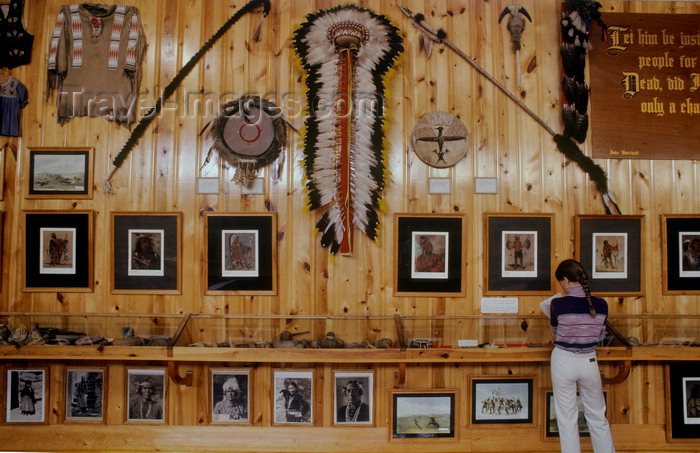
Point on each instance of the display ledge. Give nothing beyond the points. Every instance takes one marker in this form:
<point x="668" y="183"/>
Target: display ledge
<point x="271" y="355"/>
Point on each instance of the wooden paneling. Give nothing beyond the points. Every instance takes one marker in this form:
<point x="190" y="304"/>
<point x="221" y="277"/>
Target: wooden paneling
<point x="162" y="170"/>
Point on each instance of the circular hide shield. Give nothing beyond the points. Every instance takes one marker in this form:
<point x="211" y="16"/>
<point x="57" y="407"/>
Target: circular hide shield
<point x="440" y="139"/>
<point x="249" y="134"/>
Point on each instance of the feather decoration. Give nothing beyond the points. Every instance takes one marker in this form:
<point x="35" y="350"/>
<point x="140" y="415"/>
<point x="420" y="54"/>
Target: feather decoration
<point x="140" y="128"/>
<point x="345" y="53"/>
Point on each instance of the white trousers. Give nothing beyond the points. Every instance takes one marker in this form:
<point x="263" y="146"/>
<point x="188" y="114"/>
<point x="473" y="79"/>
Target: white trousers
<point x="569" y="371"/>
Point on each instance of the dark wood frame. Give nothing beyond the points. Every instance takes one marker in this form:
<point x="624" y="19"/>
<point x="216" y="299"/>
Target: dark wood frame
<point x="87" y="169"/>
<point x="672" y="225"/>
<point x="453" y="227"/>
<point x="171" y="253"/>
<point x="265" y="225"/>
<point x="679" y="375"/>
<point x="495" y="225"/>
<point x="547" y="432"/>
<point x="529" y="405"/>
<point x="82" y="279"/>
<point x="631" y="225"/>
<point x="450" y="433"/>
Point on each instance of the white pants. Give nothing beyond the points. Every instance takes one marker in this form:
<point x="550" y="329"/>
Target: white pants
<point x="570" y="370"/>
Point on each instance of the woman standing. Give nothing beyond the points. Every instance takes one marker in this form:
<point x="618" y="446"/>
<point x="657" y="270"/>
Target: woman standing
<point x="578" y="324"/>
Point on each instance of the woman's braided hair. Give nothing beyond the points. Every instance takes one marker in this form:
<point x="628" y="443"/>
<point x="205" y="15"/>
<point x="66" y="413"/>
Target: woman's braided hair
<point x="575" y="273"/>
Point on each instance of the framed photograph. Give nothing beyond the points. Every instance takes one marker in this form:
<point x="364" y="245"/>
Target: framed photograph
<point x="146" y="395"/>
<point x="501" y="400"/>
<point x="430" y="254"/>
<point x="241" y="253"/>
<point x="2" y="173"/>
<point x="60" y="173"/>
<point x="230" y="395"/>
<point x="85" y="395"/>
<point x="423" y="414"/>
<point x="26" y="398"/>
<point x="681" y="253"/>
<point x="683" y="401"/>
<point x="610" y="249"/>
<point x="353" y="398"/>
<point x="518" y="250"/>
<point x="146" y="252"/>
<point x="58" y="251"/>
<point x="551" y="429"/>
<point x="293" y="397"/>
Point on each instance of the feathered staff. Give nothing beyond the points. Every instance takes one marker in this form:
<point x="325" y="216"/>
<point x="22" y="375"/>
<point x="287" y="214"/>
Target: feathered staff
<point x="516" y="26"/>
<point x="345" y="52"/>
<point x="179" y="77"/>
<point x="575" y="25"/>
<point x="565" y="144"/>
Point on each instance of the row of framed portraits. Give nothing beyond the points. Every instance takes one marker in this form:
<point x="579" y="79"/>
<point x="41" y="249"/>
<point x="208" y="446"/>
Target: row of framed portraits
<point x="418" y="413"/>
<point x="430" y="252"/>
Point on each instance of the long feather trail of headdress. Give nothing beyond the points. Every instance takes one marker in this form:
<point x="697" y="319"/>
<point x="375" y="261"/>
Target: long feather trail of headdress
<point x="565" y="144"/>
<point x="346" y="53"/>
<point x="177" y="80"/>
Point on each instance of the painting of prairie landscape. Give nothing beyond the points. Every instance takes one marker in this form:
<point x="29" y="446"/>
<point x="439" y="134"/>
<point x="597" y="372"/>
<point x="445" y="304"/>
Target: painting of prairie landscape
<point x="425" y="414"/>
<point x="59" y="173"/>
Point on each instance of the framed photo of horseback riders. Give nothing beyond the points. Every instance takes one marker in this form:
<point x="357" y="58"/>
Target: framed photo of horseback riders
<point x="146" y="252"/>
<point x="681" y="253"/>
<point x="497" y="400"/>
<point x="58" y="251"/>
<point x="518" y="250"/>
<point x="60" y="172"/>
<point x="424" y="414"/>
<point x="241" y="253"/>
<point x="610" y="249"/>
<point x="430" y="252"/>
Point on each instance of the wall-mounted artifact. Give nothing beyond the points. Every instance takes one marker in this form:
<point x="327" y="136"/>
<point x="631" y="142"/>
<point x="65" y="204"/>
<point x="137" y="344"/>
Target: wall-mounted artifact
<point x="440" y="139"/>
<point x="345" y="53"/>
<point x="15" y="42"/>
<point x="516" y="26"/>
<point x="249" y="134"/>
<point x="94" y="62"/>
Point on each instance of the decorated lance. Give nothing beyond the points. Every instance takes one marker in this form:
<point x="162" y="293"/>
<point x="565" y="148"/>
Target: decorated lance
<point x="565" y="144"/>
<point x="179" y="77"/>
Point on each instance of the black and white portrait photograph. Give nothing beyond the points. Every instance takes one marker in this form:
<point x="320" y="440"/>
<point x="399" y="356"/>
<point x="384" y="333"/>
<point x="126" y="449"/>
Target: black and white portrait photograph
<point x="146" y="395"/>
<point x="429" y="254"/>
<point x="57" y="248"/>
<point x="146" y="249"/>
<point x="609" y="255"/>
<point x="293" y="397"/>
<point x="85" y="394"/>
<point x="519" y="254"/>
<point x="501" y="400"/>
<point x="230" y="395"/>
<point x="353" y="398"/>
<point x="26" y="396"/>
<point x="240" y="252"/>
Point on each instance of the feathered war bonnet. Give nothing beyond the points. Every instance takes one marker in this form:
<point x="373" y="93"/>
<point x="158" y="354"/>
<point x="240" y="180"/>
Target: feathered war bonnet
<point x="346" y="53"/>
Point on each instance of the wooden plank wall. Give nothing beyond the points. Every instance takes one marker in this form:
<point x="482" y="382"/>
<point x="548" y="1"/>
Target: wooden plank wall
<point x="533" y="177"/>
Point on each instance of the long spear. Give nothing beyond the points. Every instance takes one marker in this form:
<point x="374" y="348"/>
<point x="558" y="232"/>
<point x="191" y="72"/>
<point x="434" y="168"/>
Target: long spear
<point x="565" y="144"/>
<point x="172" y="86"/>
